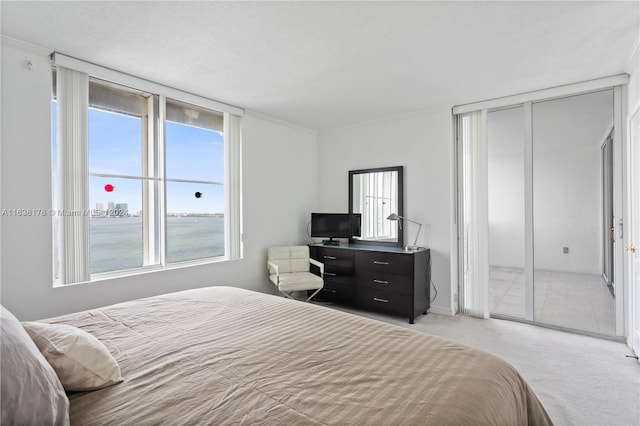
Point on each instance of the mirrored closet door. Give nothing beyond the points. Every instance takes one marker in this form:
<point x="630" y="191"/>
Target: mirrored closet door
<point x="550" y="198"/>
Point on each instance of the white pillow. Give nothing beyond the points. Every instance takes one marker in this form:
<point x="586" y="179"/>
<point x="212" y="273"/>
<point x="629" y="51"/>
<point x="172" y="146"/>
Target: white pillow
<point x="31" y="392"/>
<point x="80" y="360"/>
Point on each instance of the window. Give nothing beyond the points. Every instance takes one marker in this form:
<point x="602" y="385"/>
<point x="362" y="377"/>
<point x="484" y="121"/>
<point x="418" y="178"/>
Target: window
<point x="195" y="190"/>
<point x="117" y="140"/>
<point x="140" y="180"/>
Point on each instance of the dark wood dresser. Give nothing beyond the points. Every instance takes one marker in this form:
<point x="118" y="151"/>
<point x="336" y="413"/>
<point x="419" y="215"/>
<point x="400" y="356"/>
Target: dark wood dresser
<point x="377" y="278"/>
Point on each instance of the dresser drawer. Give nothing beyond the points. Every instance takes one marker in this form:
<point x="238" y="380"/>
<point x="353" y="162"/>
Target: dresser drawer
<point x="380" y="261"/>
<point x="338" y="276"/>
<point x="383" y="300"/>
<point x="336" y="258"/>
<point x="392" y="281"/>
<point x="385" y="281"/>
<point x="337" y="292"/>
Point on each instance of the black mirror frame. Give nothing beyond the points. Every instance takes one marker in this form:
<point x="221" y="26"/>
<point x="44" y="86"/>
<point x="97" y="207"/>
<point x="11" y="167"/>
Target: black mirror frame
<point x="400" y="212"/>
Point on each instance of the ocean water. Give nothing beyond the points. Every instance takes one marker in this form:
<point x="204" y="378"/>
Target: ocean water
<point x="116" y="242"/>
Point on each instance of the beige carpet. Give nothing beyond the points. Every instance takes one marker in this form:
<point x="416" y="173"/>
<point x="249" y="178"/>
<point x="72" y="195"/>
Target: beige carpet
<point x="580" y="380"/>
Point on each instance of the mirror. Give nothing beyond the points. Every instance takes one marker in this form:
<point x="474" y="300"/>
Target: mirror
<point x="375" y="194"/>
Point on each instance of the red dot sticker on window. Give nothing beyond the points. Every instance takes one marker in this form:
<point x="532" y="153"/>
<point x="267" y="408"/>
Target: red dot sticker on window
<point x="109" y="188"/>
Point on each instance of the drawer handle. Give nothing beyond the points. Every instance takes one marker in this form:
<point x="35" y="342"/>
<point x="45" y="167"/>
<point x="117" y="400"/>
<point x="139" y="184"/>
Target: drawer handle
<point x="380" y="282"/>
<point x="331" y="274"/>
<point x="376" y="299"/>
<point x="330" y="257"/>
<point x="377" y="262"/>
<point x="329" y="290"/>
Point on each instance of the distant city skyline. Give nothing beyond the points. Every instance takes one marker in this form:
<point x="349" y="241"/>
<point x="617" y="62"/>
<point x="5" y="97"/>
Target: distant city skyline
<point x="113" y="209"/>
<point x="122" y="209"/>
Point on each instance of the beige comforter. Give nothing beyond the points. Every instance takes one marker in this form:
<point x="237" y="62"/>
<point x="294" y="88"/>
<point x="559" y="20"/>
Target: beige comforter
<point x="223" y="355"/>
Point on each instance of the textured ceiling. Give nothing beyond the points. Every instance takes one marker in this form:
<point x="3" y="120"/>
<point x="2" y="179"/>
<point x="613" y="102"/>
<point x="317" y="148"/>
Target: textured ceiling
<point x="329" y="64"/>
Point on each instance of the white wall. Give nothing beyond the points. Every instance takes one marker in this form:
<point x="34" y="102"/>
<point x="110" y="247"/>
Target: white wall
<point x="634" y="81"/>
<point x="420" y="142"/>
<point x="279" y="174"/>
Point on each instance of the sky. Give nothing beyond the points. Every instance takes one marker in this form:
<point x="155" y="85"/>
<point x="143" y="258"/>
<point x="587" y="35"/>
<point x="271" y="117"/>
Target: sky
<point x="192" y="153"/>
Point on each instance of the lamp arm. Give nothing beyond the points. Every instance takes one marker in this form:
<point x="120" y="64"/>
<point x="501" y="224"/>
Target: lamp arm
<point x="409" y="220"/>
<point x="400" y="219"/>
<point x="415" y="243"/>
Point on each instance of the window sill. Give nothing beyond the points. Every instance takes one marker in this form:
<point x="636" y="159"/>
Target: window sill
<point x="104" y="276"/>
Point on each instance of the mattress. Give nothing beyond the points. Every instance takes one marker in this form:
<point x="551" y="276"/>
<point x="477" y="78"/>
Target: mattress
<point x="228" y="356"/>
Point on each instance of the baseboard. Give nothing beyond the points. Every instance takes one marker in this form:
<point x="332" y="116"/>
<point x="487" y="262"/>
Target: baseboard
<point x="441" y="310"/>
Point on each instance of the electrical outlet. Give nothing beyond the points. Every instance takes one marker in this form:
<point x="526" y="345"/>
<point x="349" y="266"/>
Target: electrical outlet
<point x="565" y="250"/>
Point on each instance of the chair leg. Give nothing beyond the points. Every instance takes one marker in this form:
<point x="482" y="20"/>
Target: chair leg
<point x="312" y="296"/>
<point x="288" y="295"/>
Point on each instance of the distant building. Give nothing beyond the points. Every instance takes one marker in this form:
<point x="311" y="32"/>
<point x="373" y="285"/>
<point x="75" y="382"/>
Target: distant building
<point x="121" y="209"/>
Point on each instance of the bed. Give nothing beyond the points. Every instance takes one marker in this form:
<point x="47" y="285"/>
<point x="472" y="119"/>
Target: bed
<point x="228" y="356"/>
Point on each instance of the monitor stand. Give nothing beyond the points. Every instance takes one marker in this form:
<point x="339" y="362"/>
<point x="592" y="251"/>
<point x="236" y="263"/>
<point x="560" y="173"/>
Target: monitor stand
<point x="331" y="242"/>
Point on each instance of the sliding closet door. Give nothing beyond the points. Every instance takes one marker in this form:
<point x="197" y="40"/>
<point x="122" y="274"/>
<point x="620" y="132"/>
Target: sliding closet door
<point x="506" y="212"/>
<point x="538" y="197"/>
<point x="567" y="135"/>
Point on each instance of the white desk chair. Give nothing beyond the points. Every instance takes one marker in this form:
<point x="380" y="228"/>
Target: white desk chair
<point x="289" y="270"/>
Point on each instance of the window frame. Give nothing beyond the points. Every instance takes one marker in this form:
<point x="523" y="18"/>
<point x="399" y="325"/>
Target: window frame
<point x="167" y="179"/>
<point x="154" y="170"/>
